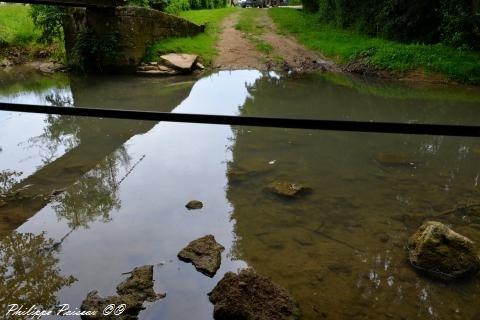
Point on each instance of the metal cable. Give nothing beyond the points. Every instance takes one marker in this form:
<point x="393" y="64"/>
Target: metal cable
<point x="333" y="125"/>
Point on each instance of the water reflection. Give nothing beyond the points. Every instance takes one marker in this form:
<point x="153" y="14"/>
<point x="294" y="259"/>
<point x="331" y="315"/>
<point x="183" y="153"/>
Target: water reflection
<point x="29" y="272"/>
<point x="95" y="195"/>
<point x="339" y="250"/>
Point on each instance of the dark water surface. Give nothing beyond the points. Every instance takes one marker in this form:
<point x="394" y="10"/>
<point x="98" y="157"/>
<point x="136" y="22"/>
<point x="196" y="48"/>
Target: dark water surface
<point x="121" y="187"/>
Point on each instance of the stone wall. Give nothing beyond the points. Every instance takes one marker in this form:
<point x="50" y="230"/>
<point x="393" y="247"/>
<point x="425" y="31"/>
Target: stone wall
<point x="136" y="27"/>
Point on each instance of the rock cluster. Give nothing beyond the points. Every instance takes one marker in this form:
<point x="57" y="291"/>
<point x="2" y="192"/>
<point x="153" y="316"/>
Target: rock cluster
<point x="171" y="64"/>
<point x="442" y="253"/>
<point x="249" y="296"/>
<point x="132" y="292"/>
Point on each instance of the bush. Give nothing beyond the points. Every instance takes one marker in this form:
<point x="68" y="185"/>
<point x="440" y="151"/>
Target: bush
<point x="176" y="6"/>
<point x="452" y="22"/>
<point x="49" y="20"/>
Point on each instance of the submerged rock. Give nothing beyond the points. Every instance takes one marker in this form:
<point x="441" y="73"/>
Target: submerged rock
<point x="194" y="204"/>
<point x="392" y="159"/>
<point x="286" y="189"/>
<point x="180" y="61"/>
<point x="442" y="253"/>
<point x="249" y="296"/>
<point x="204" y="253"/>
<point x="132" y="292"/>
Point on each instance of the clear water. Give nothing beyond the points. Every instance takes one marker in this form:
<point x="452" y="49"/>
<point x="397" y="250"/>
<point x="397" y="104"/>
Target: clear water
<point x="338" y="250"/>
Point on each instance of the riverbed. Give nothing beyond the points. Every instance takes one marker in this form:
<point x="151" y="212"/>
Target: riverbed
<point x="119" y="190"/>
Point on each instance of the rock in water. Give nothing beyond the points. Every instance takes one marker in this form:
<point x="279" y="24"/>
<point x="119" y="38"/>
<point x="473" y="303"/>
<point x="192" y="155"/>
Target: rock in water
<point x="286" y="189"/>
<point x="391" y="159"/>
<point x="442" y="253"/>
<point x="194" y="204"/>
<point x="204" y="253"/>
<point x="94" y="303"/>
<point x="249" y="296"/>
<point x="180" y="61"/>
<point x="140" y="284"/>
<point x="132" y="292"/>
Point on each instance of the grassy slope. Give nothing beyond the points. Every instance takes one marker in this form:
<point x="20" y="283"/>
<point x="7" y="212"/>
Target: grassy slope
<point x="344" y="46"/>
<point x="202" y="44"/>
<point x="16" y="26"/>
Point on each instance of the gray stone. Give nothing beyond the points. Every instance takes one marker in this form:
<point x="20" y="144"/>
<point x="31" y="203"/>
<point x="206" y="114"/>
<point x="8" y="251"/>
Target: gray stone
<point x="442" y="253"/>
<point x="204" y="253"/>
<point x="180" y="61"/>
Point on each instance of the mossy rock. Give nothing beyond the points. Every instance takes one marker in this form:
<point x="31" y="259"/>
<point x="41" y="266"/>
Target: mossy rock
<point x="287" y="189"/>
<point x="442" y="253"/>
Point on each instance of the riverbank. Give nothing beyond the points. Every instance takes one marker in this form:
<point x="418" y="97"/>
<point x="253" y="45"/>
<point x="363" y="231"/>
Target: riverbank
<point x="377" y="57"/>
<point x="18" y="39"/>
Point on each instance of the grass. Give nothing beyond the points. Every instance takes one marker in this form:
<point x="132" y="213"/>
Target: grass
<point x="202" y="44"/>
<point x="345" y="46"/>
<point x="16" y="25"/>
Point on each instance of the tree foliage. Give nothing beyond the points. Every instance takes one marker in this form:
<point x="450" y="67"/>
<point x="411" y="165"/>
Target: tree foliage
<point x="175" y="6"/>
<point x="452" y="22"/>
<point x="49" y="20"/>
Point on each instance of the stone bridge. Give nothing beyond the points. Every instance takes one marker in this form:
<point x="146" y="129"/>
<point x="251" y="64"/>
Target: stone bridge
<point x="135" y="28"/>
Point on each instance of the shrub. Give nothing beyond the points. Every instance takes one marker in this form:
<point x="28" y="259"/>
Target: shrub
<point x="49" y="20"/>
<point x="452" y="22"/>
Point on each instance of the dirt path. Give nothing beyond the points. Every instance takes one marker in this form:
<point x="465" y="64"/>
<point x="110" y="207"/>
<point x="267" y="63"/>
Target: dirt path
<point x="236" y="51"/>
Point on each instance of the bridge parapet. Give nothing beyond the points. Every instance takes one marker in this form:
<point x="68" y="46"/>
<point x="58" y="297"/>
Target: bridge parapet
<point x="74" y="3"/>
<point x="136" y="27"/>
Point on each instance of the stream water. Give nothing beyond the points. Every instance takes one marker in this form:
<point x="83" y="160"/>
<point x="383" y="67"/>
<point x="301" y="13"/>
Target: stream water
<point x="121" y="188"/>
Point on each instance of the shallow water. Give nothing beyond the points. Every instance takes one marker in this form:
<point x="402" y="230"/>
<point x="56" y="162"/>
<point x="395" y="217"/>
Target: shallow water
<point x="339" y="249"/>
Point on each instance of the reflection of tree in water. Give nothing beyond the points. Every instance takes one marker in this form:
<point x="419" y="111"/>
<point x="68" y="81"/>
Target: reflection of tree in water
<point x="59" y="131"/>
<point x="28" y="272"/>
<point x="8" y="178"/>
<point x="95" y="195"/>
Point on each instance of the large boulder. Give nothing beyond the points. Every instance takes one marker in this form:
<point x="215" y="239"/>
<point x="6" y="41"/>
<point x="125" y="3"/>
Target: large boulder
<point x="249" y="296"/>
<point x="442" y="253"/>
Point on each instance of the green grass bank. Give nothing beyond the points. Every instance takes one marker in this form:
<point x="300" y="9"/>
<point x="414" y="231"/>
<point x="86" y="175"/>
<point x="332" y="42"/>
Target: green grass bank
<point x="202" y="44"/>
<point x="344" y="46"/>
<point x="16" y="25"/>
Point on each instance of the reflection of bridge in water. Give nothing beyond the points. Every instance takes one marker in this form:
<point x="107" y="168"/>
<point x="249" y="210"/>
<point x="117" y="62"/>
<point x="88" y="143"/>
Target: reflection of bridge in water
<point x="97" y="139"/>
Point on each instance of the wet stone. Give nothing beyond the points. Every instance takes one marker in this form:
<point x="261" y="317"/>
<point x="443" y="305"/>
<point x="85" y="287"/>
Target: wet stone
<point x="180" y="61"/>
<point x="194" y="204"/>
<point x="286" y="189"/>
<point x="250" y="296"/>
<point x="442" y="253"/>
<point x="132" y="292"/>
<point x="393" y="159"/>
<point x="204" y="253"/>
